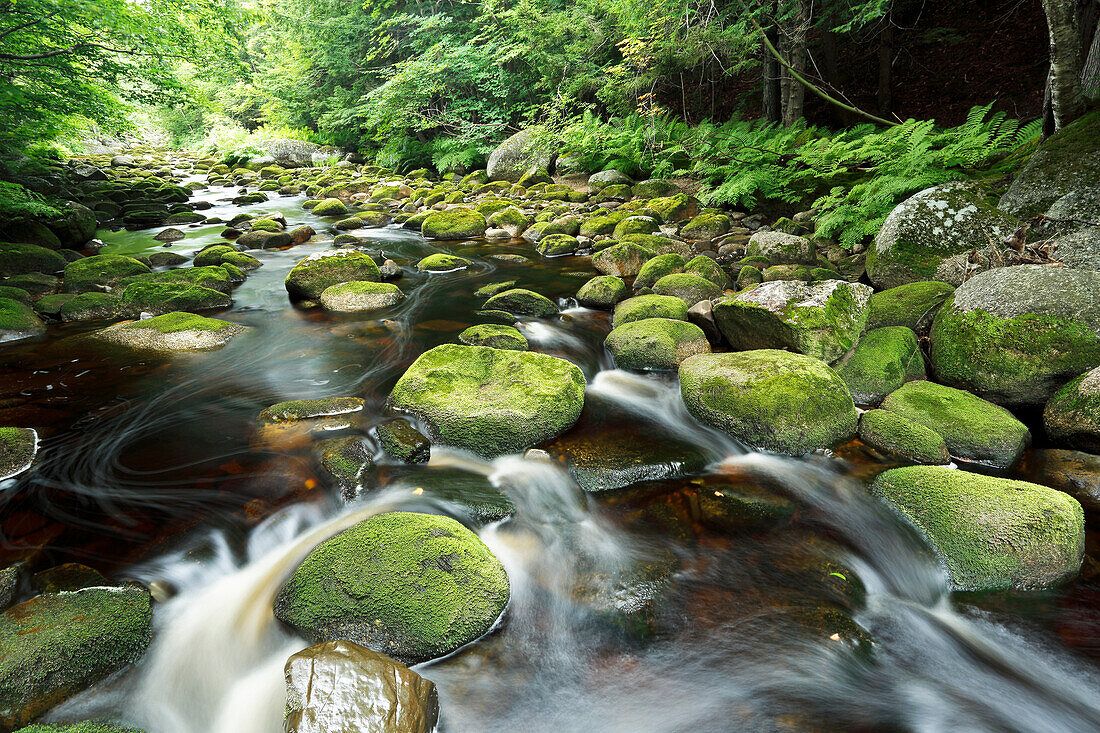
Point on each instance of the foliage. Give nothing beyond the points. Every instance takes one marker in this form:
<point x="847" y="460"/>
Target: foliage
<point x="17" y="203"/>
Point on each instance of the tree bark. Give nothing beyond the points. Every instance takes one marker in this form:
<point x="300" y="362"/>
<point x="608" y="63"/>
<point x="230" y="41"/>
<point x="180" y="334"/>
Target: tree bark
<point x="795" y="94"/>
<point x="1065" y="61"/>
<point x="772" y="104"/>
<point x="1090" y="70"/>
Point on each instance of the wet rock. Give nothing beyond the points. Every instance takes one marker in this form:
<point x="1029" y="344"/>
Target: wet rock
<point x="490" y="401"/>
<point x="602" y="292"/>
<point x="99" y="272"/>
<point x="1067" y="161"/>
<point x="454" y="224"/>
<point x="1072" y="415"/>
<point x="20" y="259"/>
<point x="330" y="207"/>
<point x="990" y="533"/>
<point x="348" y="465"/>
<point x="400" y="440"/>
<point x="707" y="268"/>
<point x="341" y="686"/>
<point x="649" y="306"/>
<point x="440" y="262"/>
<point x="482" y="501"/>
<point x="522" y="302"/>
<point x="69" y="576"/>
<point x="557" y="245"/>
<point x="170" y="235"/>
<point x="657" y="267"/>
<point x="894" y="435"/>
<point x="974" y="429"/>
<point x="18" y="449"/>
<point x="883" y="360"/>
<point x="433" y="587"/>
<point x="1074" y="472"/>
<point x="923" y="234"/>
<point x="171" y="332"/>
<point x="358" y="296"/>
<point x="655" y="343"/>
<point x="11" y="582"/>
<point x="18" y="322"/>
<point x="161" y="298"/>
<point x="688" y="287"/>
<point x="628" y="593"/>
<point x="736" y="506"/>
<point x="56" y="645"/>
<point x="301" y="235"/>
<point x="91" y="307"/>
<point x="215" y="278"/>
<point x="494" y="335"/>
<point x="264" y="240"/>
<point x="780" y="248"/>
<point x="623" y="259"/>
<point x="822" y="320"/>
<point x="768" y="399"/>
<point x="220" y="254"/>
<point x="488" y="291"/>
<point x="294" y="410"/>
<point x="913" y="305"/>
<point x="318" y="272"/>
<point x="1014" y="335"/>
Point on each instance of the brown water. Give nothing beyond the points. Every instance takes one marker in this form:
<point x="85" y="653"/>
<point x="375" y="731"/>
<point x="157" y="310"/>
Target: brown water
<point x="828" y="616"/>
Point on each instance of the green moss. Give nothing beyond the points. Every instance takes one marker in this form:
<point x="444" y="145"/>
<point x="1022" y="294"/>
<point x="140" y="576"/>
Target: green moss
<point x="17" y="321"/>
<point x="50" y="305"/>
<point x="496" y="336"/>
<point x="706" y="226"/>
<point x="87" y="726"/>
<point x="749" y="276"/>
<point x="898" y="436"/>
<point x="655" y="343"/>
<point x="488" y="291"/>
<point x="400" y="440"/>
<point x="1072" y="415"/>
<point x="883" y="360"/>
<point x="314" y="274"/>
<point x="706" y="267"/>
<point x="215" y="278"/>
<point x="688" y="287"/>
<point x="522" y="302"/>
<point x="991" y="533"/>
<point x="221" y="253"/>
<point x="602" y="292"/>
<point x="413" y="586"/>
<point x="440" y="262"/>
<point x="91" y="307"/>
<point x="100" y="271"/>
<point x="294" y="410"/>
<point x="657" y="267"/>
<point x="491" y="401"/>
<point x="635" y="225"/>
<point x="599" y="225"/>
<point x="678" y="207"/>
<point x="159" y="298"/>
<point x="556" y="245"/>
<point x="19" y="259"/>
<point x="509" y="218"/>
<point x="913" y="305"/>
<point x="649" y="306"/>
<point x="622" y="259"/>
<point x="330" y="207"/>
<point x="454" y="224"/>
<point x="177" y="322"/>
<point x="975" y="430"/>
<point x="769" y="399"/>
<point x="268" y="225"/>
<point x="18" y="447"/>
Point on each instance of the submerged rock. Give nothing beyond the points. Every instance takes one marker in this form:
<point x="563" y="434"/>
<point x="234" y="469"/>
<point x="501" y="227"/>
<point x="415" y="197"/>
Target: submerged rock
<point x="771" y="400"/>
<point x="400" y="440"/>
<point x="318" y="272"/>
<point x="18" y="448"/>
<point x="171" y="332"/>
<point x="975" y="430"/>
<point x="341" y="686"/>
<point x="990" y="533"/>
<point x="56" y="645"/>
<point x="473" y="492"/>
<point x="491" y="401"/>
<point x="294" y="410"/>
<point x="413" y="586"/>
<point x="1072" y="416"/>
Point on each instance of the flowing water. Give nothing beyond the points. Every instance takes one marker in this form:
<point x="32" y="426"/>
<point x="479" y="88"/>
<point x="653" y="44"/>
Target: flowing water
<point x="830" y="616"/>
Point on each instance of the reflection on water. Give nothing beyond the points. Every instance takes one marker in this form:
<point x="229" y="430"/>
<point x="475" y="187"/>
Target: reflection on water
<point x="637" y="609"/>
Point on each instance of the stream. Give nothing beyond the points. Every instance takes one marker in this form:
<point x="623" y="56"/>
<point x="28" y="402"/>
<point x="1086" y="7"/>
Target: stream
<point x="833" y="616"/>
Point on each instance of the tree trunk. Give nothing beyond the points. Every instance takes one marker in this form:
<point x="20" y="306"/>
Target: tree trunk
<point x="772" y="106"/>
<point x="885" y="94"/>
<point x="1065" y="61"/>
<point x="1090" y="70"/>
<point x="795" y="96"/>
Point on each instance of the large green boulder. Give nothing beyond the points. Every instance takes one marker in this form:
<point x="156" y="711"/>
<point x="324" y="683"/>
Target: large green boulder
<point x="58" y="644"/>
<point x="882" y="361"/>
<point x="158" y="298"/>
<point x="656" y="343"/>
<point x="516" y="156"/>
<point x="330" y="207"/>
<point x="454" y="224"/>
<point x="990" y="533"/>
<point x="649" y="306"/>
<point x="678" y="207"/>
<point x="1067" y="161"/>
<point x="358" y="295"/>
<point x="19" y="259"/>
<point x="929" y="235"/>
<point x="214" y="277"/>
<point x="900" y="437"/>
<point x="657" y="267"/>
<point x="771" y="400"/>
<point x="622" y="259"/>
<point x="522" y="302"/>
<point x="913" y="305"/>
<point x="1072" y="416"/>
<point x="171" y="332"/>
<point x="318" y="272"/>
<point x="91" y="307"/>
<point x="220" y="254"/>
<point x="705" y="267"/>
<point x="99" y="272"/>
<point x="490" y="401"/>
<point x="975" y="430"/>
<point x="688" y="287"/>
<point x="18" y="322"/>
<point x="497" y="336"/>
<point x="1014" y="335"/>
<point x="412" y="586"/>
<point x="442" y="262"/>
<point x="74" y="226"/>
<point x="602" y="292"/>
<point x="822" y="320"/>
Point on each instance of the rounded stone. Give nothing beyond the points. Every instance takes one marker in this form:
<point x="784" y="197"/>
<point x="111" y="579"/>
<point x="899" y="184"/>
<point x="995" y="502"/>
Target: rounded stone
<point x="494" y="335"/>
<point x="602" y="292"/>
<point x="897" y="436"/>
<point x="171" y="332"/>
<point x="1072" y="416"/>
<point x="649" y="306"/>
<point x="522" y="302"/>
<point x="318" y="272"/>
<point x="656" y="343"/>
<point x="454" y="224"/>
<point x="360" y="295"/>
<point x="440" y="262"/>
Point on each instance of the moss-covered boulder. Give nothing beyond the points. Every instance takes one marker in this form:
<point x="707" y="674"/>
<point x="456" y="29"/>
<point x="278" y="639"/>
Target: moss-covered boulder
<point x="622" y="259"/>
<point x="649" y="306"/>
<point x="655" y="343"/>
<point x="822" y="320"/>
<point x="431" y="586"/>
<point x="1014" y="335"/>
<point x="91" y="307"/>
<point x="494" y="335"/>
<point x="882" y="361"/>
<point x="927" y="236"/>
<point x="19" y="259"/>
<point x="171" y="332"/>
<point x="706" y="226"/>
<point x="58" y="644"/>
<point x="975" y="430"/>
<point x="442" y="262"/>
<point x="657" y="267"/>
<point x="522" y="302"/>
<point x="221" y="253"/>
<point x="557" y="245"/>
<point x="210" y="276"/>
<point x="705" y="267"/>
<point x="347" y="464"/>
<point x="296" y="410"/>
<point x="330" y="207"/>
<point x="510" y="219"/>
<point x="771" y="400"/>
<point x="780" y="248"/>
<point x="454" y="224"/>
<point x="678" y="207"/>
<point x="635" y="225"/>
<point x="990" y="533"/>
<point x="18" y="448"/>
<point x="517" y="155"/>
<point x="688" y="287"/>
<point x="490" y="401"/>
<point x="1067" y="161"/>
<point x="602" y="292"/>
<point x="318" y="272"/>
<point x="913" y="305"/>
<point x="900" y="437"/>
<point x="18" y="322"/>
<point x="400" y="440"/>
<point x="74" y="225"/>
<point x="99" y="272"/>
<point x="359" y="295"/>
<point x="1072" y="415"/>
